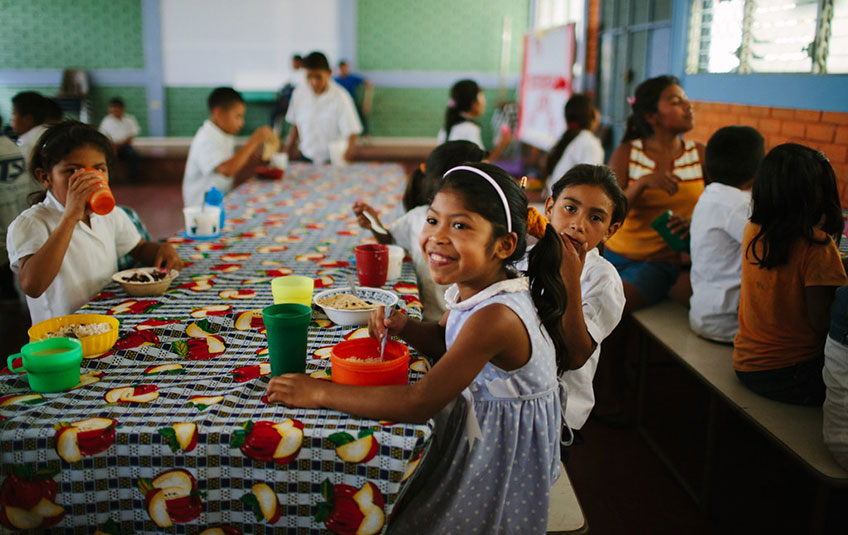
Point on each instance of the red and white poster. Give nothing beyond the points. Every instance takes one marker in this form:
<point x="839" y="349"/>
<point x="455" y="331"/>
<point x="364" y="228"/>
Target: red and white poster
<point x="545" y="85"/>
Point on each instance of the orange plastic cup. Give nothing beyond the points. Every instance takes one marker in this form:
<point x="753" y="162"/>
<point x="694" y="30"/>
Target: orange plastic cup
<point x="101" y="201"/>
<point x="393" y="370"/>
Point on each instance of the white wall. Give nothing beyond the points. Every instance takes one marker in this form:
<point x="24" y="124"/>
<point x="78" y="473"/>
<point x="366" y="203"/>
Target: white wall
<point x="247" y="44"/>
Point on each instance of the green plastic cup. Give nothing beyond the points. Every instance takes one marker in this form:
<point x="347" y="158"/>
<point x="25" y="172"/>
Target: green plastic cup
<point x="51" y="365"/>
<point x="292" y="289"/>
<point x="286" y="328"/>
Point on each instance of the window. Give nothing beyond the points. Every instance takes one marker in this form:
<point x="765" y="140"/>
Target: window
<point x="748" y="36"/>
<point x="551" y="13"/>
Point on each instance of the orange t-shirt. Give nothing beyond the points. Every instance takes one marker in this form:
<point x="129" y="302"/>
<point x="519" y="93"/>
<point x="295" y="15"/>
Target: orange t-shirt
<point x="774" y="330"/>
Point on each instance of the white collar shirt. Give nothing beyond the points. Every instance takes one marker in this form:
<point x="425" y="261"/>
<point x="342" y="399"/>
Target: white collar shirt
<point x="584" y="148"/>
<point x="322" y="119"/>
<point x="28" y="139"/>
<point x="718" y="221"/>
<point x="464" y="131"/>
<point x="89" y="262"/>
<point x="119" y="130"/>
<point x="210" y="148"/>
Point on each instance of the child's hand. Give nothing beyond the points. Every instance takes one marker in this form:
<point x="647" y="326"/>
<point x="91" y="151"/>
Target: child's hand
<point x="167" y="258"/>
<point x="378" y="324"/>
<point x="295" y="390"/>
<point x="263" y="134"/>
<point x="573" y="258"/>
<point x="679" y="226"/>
<point x="80" y="187"/>
<point x="664" y="180"/>
<point x="358" y="208"/>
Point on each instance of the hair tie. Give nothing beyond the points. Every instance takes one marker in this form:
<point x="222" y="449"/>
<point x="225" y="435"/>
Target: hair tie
<point x="822" y="157"/>
<point x="536" y="223"/>
<point x="422" y="168"/>
<point x="451" y="103"/>
<point x="631" y="100"/>
<point x="572" y="125"/>
<point x="493" y="183"/>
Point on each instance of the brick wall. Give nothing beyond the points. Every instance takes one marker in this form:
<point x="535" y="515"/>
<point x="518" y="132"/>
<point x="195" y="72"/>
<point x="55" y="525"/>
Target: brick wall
<point x="822" y="130"/>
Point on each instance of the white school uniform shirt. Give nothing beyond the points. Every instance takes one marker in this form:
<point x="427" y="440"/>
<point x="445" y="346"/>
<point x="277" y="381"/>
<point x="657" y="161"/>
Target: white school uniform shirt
<point x="718" y="222"/>
<point x="28" y="139"/>
<point x="405" y="232"/>
<point x="584" y="148"/>
<point x="119" y="130"/>
<point x="464" y="131"/>
<point x="322" y="119"/>
<point x="210" y="148"/>
<point x="89" y="263"/>
<point x="602" y="295"/>
<point x="14" y="187"/>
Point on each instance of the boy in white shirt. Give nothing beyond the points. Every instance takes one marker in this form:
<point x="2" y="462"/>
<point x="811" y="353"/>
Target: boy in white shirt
<point x="212" y="158"/>
<point x="732" y="156"/>
<point x="320" y="112"/>
<point x="121" y="128"/>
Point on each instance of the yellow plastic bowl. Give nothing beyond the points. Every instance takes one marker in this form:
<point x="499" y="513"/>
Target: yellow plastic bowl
<point x="92" y="346"/>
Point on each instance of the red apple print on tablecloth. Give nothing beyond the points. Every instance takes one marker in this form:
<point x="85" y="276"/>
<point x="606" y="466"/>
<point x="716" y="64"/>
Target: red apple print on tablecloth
<point x="134" y="339"/>
<point x="333" y="263"/>
<point x="324" y="282"/>
<point x="201" y="403"/>
<point x="405" y="288"/>
<point x="171" y="368"/>
<point x="309" y="257"/>
<point x="235" y="257"/>
<point x="28" y="499"/>
<point x="203" y="247"/>
<point x="153" y="323"/>
<point x="89" y="378"/>
<point x="351" y="511"/>
<point x="211" y="310"/>
<point x="250" y="320"/>
<point x="244" y="293"/>
<point x="141" y="393"/>
<point x="84" y="438"/>
<point x="279" y="272"/>
<point x="180" y="436"/>
<point x="359" y="449"/>
<point x="249" y="373"/>
<point x="347" y="232"/>
<point x="172" y="497"/>
<point x="134" y="306"/>
<point x="288" y="239"/>
<point x="226" y="268"/>
<point x="412" y="301"/>
<point x="267" y="441"/>
<point x="221" y="530"/>
<point x="204" y="348"/>
<point x="264" y="503"/>
<point x="21" y="399"/>
<point x="103" y="296"/>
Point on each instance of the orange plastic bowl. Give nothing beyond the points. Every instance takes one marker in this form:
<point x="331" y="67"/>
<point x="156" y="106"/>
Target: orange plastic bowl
<point x="347" y="369"/>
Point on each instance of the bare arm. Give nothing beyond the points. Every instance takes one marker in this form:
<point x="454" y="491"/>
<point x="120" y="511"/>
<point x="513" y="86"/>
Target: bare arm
<point x="578" y="342"/>
<point x="506" y="139"/>
<point x="351" y="146"/>
<point x="157" y="255"/>
<point x="230" y="167"/>
<point x="291" y="143"/>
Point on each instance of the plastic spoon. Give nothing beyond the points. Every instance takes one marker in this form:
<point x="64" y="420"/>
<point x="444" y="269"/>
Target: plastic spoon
<point x="386" y="337"/>
<point x="376" y="227"/>
<point x="351" y="284"/>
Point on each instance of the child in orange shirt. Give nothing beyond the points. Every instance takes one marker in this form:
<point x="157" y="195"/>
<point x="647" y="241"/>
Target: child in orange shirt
<point x="790" y="271"/>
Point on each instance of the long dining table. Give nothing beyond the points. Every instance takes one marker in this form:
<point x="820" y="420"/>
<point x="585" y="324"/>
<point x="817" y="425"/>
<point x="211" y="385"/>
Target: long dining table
<point x="170" y="430"/>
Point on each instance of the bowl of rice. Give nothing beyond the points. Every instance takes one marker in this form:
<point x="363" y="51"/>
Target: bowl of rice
<point x="145" y="281"/>
<point x="97" y="332"/>
<point x="344" y="308"/>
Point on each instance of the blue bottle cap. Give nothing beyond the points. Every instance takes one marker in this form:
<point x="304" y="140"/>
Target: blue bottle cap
<point x="214" y="197"/>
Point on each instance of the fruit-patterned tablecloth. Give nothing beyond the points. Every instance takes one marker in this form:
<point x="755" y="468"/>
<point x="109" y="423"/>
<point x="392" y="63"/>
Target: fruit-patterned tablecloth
<point x="170" y="432"/>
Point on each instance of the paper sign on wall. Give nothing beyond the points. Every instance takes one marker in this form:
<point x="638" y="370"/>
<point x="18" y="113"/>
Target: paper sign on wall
<point x="545" y="85"/>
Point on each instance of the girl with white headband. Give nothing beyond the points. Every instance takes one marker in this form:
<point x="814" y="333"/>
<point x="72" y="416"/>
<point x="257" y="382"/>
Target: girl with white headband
<point x="493" y="389"/>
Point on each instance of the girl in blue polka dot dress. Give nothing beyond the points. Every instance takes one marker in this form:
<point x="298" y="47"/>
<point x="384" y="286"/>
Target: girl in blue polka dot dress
<point x="493" y="390"/>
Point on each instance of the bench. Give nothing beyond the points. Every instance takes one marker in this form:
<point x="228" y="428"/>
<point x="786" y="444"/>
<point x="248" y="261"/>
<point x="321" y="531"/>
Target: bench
<point x="795" y="429"/>
<point x="565" y="515"/>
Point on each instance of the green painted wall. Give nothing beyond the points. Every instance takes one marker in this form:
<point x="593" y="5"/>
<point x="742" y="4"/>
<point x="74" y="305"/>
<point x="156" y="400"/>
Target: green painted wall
<point x="437" y="35"/>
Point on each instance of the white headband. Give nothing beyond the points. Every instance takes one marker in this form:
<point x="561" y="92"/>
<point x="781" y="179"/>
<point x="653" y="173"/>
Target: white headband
<point x="493" y="183"/>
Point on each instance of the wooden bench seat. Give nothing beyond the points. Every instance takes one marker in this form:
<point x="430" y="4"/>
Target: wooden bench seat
<point x="796" y="429"/>
<point x="565" y="516"/>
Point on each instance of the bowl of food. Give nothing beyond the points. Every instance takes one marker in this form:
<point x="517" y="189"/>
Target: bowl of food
<point x="344" y="308"/>
<point x="146" y="281"/>
<point x="97" y="332"/>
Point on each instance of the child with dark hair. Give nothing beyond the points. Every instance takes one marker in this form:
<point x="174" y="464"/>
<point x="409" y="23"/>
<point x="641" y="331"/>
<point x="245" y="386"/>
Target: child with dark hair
<point x="29" y="113"/>
<point x="212" y="158"/>
<point x="790" y="270"/>
<point x="62" y="252"/>
<point x="14" y="189"/>
<point x="658" y="171"/>
<point x="494" y="378"/>
<point x="578" y="144"/>
<point x="122" y="128"/>
<point x="320" y="112"/>
<point x="718" y="222"/>
<point x="467" y="103"/>
<point x="406" y="230"/>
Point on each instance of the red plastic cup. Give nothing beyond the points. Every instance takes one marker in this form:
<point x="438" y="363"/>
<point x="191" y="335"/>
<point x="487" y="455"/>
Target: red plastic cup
<point x="101" y="201"/>
<point x="372" y="264"/>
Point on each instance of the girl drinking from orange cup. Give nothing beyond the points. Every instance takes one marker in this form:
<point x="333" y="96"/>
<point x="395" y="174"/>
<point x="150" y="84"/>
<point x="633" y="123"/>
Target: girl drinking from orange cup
<point x="62" y="248"/>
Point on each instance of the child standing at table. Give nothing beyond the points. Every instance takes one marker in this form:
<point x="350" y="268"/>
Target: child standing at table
<point x="62" y="252"/>
<point x="212" y="158"/>
<point x="718" y="222"/>
<point x="406" y="230"/>
<point x="790" y="269"/>
<point x="467" y="103"/>
<point x="321" y="112"/>
<point x="494" y="456"/>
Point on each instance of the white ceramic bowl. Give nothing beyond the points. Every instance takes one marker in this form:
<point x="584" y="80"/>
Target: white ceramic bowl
<point x="144" y="289"/>
<point x="355" y="317"/>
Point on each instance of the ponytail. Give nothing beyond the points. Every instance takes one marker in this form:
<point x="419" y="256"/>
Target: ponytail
<point x="463" y="95"/>
<point x="579" y="115"/>
<point x="548" y="290"/>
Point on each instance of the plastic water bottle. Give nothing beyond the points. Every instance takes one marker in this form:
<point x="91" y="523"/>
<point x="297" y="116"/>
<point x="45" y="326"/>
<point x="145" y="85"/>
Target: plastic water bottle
<point x="215" y="197"/>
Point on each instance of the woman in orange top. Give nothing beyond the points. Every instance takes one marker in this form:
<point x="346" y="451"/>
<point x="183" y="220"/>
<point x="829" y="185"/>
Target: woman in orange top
<point x="790" y="271"/>
<point x="658" y="171"/>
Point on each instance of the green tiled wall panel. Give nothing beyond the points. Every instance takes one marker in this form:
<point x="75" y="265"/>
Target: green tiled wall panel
<point x="186" y="110"/>
<point x="59" y="34"/>
<point x="406" y="112"/>
<point x="134" y="97"/>
<point x="438" y="35"/>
